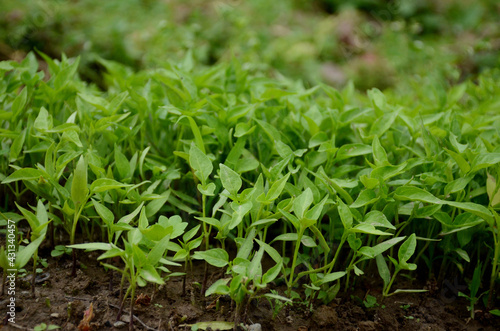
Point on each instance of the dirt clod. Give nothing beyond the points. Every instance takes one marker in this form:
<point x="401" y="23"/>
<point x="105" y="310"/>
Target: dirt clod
<point x="325" y="315"/>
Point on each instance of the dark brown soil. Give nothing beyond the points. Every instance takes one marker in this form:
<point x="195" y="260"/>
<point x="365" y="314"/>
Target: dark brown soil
<point x="62" y="300"/>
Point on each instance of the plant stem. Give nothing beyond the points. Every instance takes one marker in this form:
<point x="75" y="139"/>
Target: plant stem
<point x="207" y="245"/>
<point x="328" y="266"/>
<point x="132" y="296"/>
<point x="494" y="272"/>
<point x="387" y="289"/>
<point x="72" y="236"/>
<point x="294" y="261"/>
<point x="33" y="278"/>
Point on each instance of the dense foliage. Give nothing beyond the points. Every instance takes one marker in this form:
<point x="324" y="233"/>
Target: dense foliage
<point x="170" y="164"/>
<point x="318" y="139"/>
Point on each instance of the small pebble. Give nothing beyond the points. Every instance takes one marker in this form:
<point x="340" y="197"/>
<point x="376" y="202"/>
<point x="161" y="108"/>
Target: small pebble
<point x="119" y="324"/>
<point x="125" y="318"/>
<point x="54" y="315"/>
<point x="254" y="327"/>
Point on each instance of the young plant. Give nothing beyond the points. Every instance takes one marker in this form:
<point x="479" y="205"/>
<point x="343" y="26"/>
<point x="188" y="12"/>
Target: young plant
<point x="247" y="279"/>
<point x="474" y="285"/>
<point x="140" y="266"/>
<point x="38" y="224"/>
<point x="184" y="251"/>
<point x="405" y="252"/>
<point x="79" y="195"/>
<point x="202" y="167"/>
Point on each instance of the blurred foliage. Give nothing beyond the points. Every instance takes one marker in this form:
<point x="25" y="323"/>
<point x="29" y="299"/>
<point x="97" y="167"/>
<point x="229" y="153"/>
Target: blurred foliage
<point x="375" y="43"/>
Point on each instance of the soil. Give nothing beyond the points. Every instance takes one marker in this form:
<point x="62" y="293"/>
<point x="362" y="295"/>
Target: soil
<point x="62" y="300"/>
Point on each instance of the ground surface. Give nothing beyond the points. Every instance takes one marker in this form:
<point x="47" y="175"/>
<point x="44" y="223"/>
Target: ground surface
<point x="62" y="300"/>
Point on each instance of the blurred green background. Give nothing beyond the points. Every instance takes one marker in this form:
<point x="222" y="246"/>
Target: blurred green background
<point x="397" y="45"/>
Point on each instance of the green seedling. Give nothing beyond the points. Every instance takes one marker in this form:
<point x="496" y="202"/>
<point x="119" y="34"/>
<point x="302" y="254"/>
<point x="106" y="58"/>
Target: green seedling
<point x="38" y="224"/>
<point x="370" y="301"/>
<point x="60" y="250"/>
<point x="247" y="278"/>
<point x="405" y="252"/>
<point x="202" y="167"/>
<point x="141" y="266"/>
<point x="184" y="251"/>
<point x="474" y="289"/>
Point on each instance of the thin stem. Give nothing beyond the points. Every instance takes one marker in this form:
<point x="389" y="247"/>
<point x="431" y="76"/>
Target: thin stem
<point x="132" y="296"/>
<point x="72" y="238"/>
<point x="35" y="258"/>
<point x="294" y="261"/>
<point x="386" y="291"/>
<point x="494" y="272"/>
<point x="206" y="234"/>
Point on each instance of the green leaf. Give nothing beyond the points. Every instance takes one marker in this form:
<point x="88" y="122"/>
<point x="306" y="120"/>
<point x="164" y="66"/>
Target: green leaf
<point x="461" y="162"/>
<point x="207" y="190"/>
<point x="197" y="134"/>
<point x="92" y="246"/>
<point x="485" y="160"/>
<point x="230" y="179"/>
<point x="378" y="219"/>
<point x="211" y="221"/>
<point x="473" y="208"/>
<point x="277" y="297"/>
<point x="491" y="185"/>
<point x="315" y="212"/>
<point x="495" y="312"/>
<point x="364" y="198"/>
<point x="345" y="214"/>
<point x="79" y="190"/>
<point x="276" y="189"/>
<point x="369" y="229"/>
<point x="41" y="213"/>
<point x="379" y="154"/>
<point x="17" y="146"/>
<point x="272" y="273"/>
<point x="105" y="214"/>
<point x="219" y="287"/>
<point x="378" y="99"/>
<point x="106" y="184"/>
<point x="383" y="269"/>
<point x="272" y="252"/>
<point x="128" y="218"/>
<point x="407" y="249"/>
<point x="351" y="150"/>
<point x="240" y="211"/>
<point x="333" y="277"/>
<point x="463" y="254"/>
<point x="24" y="255"/>
<point x="294" y="220"/>
<point x="415" y="194"/>
<point x="200" y="162"/>
<point x="215" y="256"/>
<point x="190" y="234"/>
<point x="23" y="174"/>
<point x="255" y="267"/>
<point x="457" y="185"/>
<point x="385" y="245"/>
<point x="42" y="122"/>
<point x="20" y="102"/>
<point x="158" y="250"/>
<point x="247" y="246"/>
<point x="322" y="242"/>
<point x="302" y="203"/>
<point x="121" y="164"/>
<point x="149" y="273"/>
<point x="383" y="123"/>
